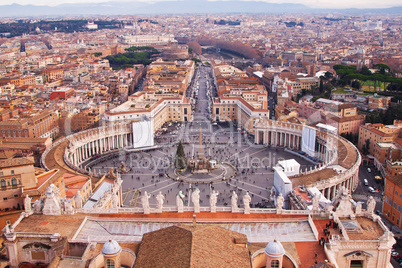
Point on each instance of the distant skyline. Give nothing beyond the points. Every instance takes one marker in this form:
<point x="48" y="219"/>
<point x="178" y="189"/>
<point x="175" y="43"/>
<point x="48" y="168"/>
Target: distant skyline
<point x="332" y="4"/>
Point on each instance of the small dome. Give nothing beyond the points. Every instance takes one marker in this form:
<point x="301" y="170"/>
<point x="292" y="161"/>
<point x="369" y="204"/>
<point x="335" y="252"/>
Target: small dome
<point x="111" y="248"/>
<point x="274" y="249"/>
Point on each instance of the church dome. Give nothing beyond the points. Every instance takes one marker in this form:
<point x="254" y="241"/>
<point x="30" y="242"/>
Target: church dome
<point x="111" y="248"/>
<point x="274" y="249"/>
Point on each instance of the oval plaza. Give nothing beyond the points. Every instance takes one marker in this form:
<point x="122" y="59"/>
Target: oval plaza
<point x="282" y="200"/>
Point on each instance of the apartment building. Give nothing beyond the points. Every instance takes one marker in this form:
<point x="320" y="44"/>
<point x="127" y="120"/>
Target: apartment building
<point x="344" y="118"/>
<point x="392" y="204"/>
<point x="61" y="93"/>
<point x="146" y="40"/>
<point x="378" y="133"/>
<point x="32" y="124"/>
<point x="240" y="99"/>
<point x="163" y="97"/>
<point x="85" y="119"/>
<point x="377" y="102"/>
<point x="51" y="74"/>
<point x="302" y="83"/>
<point x="15" y="174"/>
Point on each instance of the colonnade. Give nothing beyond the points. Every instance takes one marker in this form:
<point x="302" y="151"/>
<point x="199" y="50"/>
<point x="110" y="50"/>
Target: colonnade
<point x="350" y="184"/>
<point x="98" y="141"/>
<point x="289" y="135"/>
<point x="278" y="138"/>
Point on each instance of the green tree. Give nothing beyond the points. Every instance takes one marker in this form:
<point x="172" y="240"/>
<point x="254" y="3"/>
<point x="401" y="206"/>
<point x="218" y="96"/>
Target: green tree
<point x="321" y="87"/>
<point x="328" y="75"/>
<point x="180" y="161"/>
<point x="356" y="84"/>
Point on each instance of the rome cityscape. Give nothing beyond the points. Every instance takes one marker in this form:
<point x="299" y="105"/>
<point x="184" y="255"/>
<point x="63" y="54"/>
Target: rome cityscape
<point x="200" y="134"/>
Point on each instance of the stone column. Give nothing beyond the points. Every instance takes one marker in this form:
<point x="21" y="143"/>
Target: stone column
<point x="79" y="154"/>
<point x="84" y="155"/>
<point x="328" y="193"/>
<point x="279" y="138"/>
<point x="12" y="254"/>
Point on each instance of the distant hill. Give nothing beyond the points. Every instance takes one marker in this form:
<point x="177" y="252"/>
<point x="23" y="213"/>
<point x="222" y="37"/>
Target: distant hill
<point x="173" y="7"/>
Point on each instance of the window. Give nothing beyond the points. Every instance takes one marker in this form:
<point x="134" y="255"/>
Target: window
<point x="110" y="263"/>
<point x="394" y="204"/>
<point x="4" y="198"/>
<point x="3" y="183"/>
<point x="275" y="264"/>
<point x="12" y="172"/>
<point x="13" y="182"/>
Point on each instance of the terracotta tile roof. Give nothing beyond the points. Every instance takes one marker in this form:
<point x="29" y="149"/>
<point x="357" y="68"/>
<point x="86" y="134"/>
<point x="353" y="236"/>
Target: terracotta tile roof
<point x="313" y="177"/>
<point x="66" y="225"/>
<point x="192" y="246"/>
<point x="15" y="162"/>
<point x="395" y="179"/>
<point x="6" y="154"/>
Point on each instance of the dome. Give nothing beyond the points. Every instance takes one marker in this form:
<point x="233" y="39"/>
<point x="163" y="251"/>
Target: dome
<point x="111" y="248"/>
<point x="274" y="249"/>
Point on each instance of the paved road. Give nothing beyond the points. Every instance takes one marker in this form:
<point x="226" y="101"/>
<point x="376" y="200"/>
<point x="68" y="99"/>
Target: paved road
<point x="362" y="193"/>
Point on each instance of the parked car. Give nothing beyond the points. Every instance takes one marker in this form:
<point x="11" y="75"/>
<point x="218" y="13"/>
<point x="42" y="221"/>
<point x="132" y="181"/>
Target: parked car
<point x="371" y="189"/>
<point x="369" y="170"/>
<point x="365" y="182"/>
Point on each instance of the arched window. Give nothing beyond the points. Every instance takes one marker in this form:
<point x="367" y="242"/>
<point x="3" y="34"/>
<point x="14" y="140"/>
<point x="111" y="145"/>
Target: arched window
<point x="13" y="182"/>
<point x="3" y="183"/>
<point x="275" y="264"/>
<point x="110" y="263"/>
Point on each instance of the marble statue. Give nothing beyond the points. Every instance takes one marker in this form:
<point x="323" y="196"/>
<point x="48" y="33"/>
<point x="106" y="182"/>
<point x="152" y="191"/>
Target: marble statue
<point x="68" y="207"/>
<point x="160" y="198"/>
<point x="118" y="180"/>
<point x="370" y="205"/>
<point x="111" y="174"/>
<point x="51" y="205"/>
<point x="195" y="198"/>
<point x="115" y="200"/>
<point x="7" y="229"/>
<point x="279" y="201"/>
<point x="246" y="202"/>
<point x="123" y="167"/>
<point x="145" y="202"/>
<point x="180" y="201"/>
<point x="37" y="207"/>
<point x="78" y="200"/>
<point x="358" y="209"/>
<point x="316" y="202"/>
<point x="213" y="199"/>
<point x="27" y="204"/>
<point x="235" y="208"/>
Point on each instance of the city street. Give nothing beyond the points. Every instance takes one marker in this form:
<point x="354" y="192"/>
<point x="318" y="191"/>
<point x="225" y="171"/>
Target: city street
<point x="362" y="193"/>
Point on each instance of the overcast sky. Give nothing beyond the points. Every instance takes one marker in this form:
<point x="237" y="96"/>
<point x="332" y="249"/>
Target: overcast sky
<point x="310" y="3"/>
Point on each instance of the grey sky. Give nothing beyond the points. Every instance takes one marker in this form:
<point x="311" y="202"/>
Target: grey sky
<point x="310" y="3"/>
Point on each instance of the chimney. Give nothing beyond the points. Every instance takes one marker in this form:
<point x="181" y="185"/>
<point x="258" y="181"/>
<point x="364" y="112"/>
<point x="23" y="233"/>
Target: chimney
<point x="194" y="220"/>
